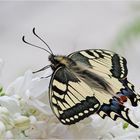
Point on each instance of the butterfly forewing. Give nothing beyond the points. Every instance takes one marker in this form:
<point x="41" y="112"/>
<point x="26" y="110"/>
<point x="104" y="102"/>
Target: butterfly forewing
<point x="71" y="99"/>
<point x="111" y="66"/>
<point x="103" y="61"/>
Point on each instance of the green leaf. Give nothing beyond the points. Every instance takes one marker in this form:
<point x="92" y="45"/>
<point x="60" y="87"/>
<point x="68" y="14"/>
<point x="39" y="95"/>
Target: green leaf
<point x="125" y="125"/>
<point x="1" y="91"/>
<point x="2" y="94"/>
<point x="127" y="34"/>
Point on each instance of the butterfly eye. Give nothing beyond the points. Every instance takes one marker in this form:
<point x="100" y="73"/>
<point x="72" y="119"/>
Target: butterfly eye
<point x="53" y="59"/>
<point x="50" y="57"/>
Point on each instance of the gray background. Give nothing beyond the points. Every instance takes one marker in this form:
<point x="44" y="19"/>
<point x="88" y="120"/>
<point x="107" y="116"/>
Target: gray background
<point x="66" y="27"/>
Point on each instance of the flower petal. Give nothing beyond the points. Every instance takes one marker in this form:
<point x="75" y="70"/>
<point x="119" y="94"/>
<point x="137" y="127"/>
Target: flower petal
<point x="10" y="103"/>
<point x="20" y="84"/>
<point x="38" y="87"/>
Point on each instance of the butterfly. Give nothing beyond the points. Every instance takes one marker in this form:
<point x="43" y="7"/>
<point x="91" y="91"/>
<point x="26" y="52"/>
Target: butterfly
<point x="87" y="82"/>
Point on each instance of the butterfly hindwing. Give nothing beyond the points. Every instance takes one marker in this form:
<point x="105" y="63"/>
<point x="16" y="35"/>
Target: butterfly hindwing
<point x="71" y="99"/>
<point x="129" y="91"/>
<point x="114" y="110"/>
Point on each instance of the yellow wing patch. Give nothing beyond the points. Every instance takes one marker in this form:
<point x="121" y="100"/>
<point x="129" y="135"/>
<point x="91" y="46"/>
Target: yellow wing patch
<point x="74" y="103"/>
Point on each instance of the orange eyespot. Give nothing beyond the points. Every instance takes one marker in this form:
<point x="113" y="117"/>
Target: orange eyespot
<point x="122" y="99"/>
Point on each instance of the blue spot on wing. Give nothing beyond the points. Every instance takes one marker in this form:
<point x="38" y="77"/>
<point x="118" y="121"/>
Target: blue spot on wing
<point x="116" y="107"/>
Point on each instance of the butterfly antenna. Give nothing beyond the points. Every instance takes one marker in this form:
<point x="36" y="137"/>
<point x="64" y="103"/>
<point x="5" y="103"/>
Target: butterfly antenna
<point x="42" y="40"/>
<point x="23" y="39"/>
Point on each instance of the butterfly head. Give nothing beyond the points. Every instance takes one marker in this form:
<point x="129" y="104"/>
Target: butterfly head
<point x="57" y="60"/>
<point x="53" y="59"/>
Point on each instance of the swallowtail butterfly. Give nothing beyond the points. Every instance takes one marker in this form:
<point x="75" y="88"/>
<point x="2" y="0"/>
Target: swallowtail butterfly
<point x="87" y="82"/>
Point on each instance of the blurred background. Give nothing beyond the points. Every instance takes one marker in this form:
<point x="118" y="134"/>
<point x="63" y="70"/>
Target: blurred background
<point x="67" y="27"/>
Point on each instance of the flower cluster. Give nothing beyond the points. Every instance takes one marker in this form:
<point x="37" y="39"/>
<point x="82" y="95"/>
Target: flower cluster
<point x="25" y="113"/>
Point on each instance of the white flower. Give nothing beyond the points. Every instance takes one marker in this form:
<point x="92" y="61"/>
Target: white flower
<point x="10" y="103"/>
<point x="22" y="122"/>
<point x="49" y="128"/>
<point x="31" y="90"/>
<point x="9" y="135"/>
<point x="6" y="121"/>
<point x="2" y="128"/>
<point x="25" y="108"/>
<point x="31" y="95"/>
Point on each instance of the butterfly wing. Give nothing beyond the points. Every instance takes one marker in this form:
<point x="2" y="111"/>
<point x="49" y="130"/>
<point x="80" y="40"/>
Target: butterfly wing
<point x="113" y="70"/>
<point x="111" y="67"/>
<point x="82" y="90"/>
<point x="71" y="99"/>
<point x="115" y="110"/>
<point x="103" y="61"/>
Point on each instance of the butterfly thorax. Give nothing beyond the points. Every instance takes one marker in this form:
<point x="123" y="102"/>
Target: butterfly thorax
<point x="60" y="60"/>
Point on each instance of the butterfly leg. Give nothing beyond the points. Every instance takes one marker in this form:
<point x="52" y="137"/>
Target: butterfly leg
<point x="46" y="76"/>
<point x="114" y="110"/>
<point x="42" y="69"/>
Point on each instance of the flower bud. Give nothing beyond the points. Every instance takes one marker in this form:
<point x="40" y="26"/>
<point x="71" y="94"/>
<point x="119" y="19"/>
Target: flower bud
<point x="22" y="122"/>
<point x="8" y="135"/>
<point x="2" y="128"/>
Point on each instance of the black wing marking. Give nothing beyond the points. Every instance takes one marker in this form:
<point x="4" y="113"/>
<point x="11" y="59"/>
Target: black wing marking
<point x="71" y="99"/>
<point x="102" y="60"/>
<point x="114" y="110"/>
<point x="110" y="66"/>
<point x="113" y="69"/>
